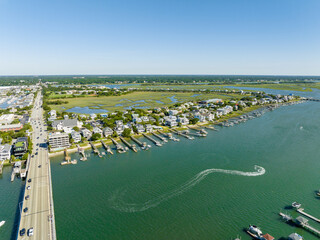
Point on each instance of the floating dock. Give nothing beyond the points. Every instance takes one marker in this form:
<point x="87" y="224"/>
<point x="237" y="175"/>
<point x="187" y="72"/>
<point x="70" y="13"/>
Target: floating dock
<point x="95" y="149"/>
<point x="181" y="134"/>
<point x="160" y="137"/>
<point x="67" y="159"/>
<point x="143" y="145"/>
<point x="120" y="148"/>
<point x="169" y="135"/>
<point x="106" y="147"/>
<point x="131" y="146"/>
<point x="152" y="140"/>
<point x="197" y="134"/>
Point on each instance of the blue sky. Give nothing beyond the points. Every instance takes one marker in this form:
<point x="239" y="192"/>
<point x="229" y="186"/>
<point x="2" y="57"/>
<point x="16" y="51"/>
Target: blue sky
<point x="160" y="37"/>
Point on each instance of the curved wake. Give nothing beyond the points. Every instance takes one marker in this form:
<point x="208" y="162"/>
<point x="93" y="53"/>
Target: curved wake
<point x="118" y="204"/>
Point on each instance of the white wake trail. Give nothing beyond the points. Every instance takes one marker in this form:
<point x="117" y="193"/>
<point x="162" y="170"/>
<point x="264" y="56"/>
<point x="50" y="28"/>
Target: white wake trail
<point x="118" y="204"/>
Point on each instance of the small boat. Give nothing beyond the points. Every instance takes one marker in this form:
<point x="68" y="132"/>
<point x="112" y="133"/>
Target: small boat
<point x="318" y="193"/>
<point x="254" y="232"/>
<point x="296" y="205"/>
<point x="2" y="223"/>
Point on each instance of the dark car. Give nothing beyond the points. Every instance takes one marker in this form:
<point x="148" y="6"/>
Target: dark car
<point x="29" y="180"/>
<point x="39" y="166"/>
<point x="25" y="210"/>
<point x="27" y="197"/>
<point x="36" y="153"/>
<point x="22" y="231"/>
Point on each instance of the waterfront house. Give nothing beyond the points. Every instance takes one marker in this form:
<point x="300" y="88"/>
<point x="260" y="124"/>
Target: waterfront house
<point x="119" y="128"/>
<point x="199" y="116"/>
<point x="83" y="116"/>
<point x="183" y="120"/>
<point x="76" y="136"/>
<point x="59" y="140"/>
<point x="66" y="117"/>
<point x="20" y="147"/>
<point x="107" y="131"/>
<point x="5" y="152"/>
<point x="140" y="128"/>
<point x="97" y="130"/>
<point x="86" y="133"/>
<point x="208" y="116"/>
<point x="119" y="123"/>
<point x="149" y="128"/>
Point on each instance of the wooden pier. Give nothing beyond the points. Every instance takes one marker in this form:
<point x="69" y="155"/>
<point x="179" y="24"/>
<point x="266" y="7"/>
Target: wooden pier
<point x="1" y="166"/>
<point x="81" y="152"/>
<point x="106" y="147"/>
<point x="169" y="135"/>
<point x="181" y="134"/>
<point x="152" y="140"/>
<point x="131" y="146"/>
<point x="300" y="210"/>
<point x="143" y="145"/>
<point x="160" y="137"/>
<point x="95" y="149"/>
<point x="120" y="148"/>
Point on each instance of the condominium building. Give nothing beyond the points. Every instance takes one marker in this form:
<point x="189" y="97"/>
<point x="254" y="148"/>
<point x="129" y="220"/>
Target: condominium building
<point x="59" y="140"/>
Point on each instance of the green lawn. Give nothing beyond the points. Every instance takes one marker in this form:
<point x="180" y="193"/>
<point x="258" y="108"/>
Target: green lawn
<point x="144" y="99"/>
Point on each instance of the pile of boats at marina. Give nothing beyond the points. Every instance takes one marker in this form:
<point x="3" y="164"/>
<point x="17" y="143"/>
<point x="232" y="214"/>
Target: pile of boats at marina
<point x="256" y="233"/>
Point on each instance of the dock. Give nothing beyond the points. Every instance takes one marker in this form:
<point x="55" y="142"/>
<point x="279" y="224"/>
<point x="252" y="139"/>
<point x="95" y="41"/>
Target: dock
<point x="67" y="159"/>
<point x="131" y="146"/>
<point x="95" y="149"/>
<point x="1" y="166"/>
<point x="181" y="134"/>
<point x="81" y="152"/>
<point x="106" y="147"/>
<point x="160" y="137"/>
<point x="199" y="130"/>
<point x="300" y="222"/>
<point x="169" y="135"/>
<point x="300" y="210"/>
<point x="143" y="145"/>
<point x="197" y="134"/>
<point x="152" y="140"/>
<point x="120" y="148"/>
<point x="15" y="170"/>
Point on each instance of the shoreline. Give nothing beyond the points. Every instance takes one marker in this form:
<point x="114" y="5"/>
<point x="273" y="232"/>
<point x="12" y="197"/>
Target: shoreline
<point x="166" y="129"/>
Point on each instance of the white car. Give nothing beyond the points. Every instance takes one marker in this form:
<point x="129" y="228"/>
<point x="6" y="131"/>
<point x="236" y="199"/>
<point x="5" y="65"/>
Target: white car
<point x="30" y="232"/>
<point x="29" y="187"/>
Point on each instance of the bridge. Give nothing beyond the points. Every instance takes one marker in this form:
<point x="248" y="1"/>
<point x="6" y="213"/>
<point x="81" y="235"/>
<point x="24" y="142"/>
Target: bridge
<point x="36" y="210"/>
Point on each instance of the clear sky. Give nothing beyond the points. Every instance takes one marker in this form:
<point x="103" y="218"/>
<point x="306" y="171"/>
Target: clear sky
<point x="160" y="37"/>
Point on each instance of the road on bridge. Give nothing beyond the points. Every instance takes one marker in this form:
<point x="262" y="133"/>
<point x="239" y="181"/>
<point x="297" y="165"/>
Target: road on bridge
<point x="37" y="197"/>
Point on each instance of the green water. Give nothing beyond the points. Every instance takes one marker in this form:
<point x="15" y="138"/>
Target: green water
<point x="92" y="198"/>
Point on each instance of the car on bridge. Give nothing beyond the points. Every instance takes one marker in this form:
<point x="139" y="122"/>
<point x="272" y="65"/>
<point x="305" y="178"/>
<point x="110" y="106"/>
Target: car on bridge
<point x="25" y="210"/>
<point x="27" y="197"/>
<point x="22" y="231"/>
<point x="29" y="187"/>
<point x="30" y="232"/>
<point x="29" y="180"/>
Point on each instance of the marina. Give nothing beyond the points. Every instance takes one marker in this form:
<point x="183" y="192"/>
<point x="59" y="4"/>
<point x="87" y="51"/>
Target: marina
<point x="181" y="134"/>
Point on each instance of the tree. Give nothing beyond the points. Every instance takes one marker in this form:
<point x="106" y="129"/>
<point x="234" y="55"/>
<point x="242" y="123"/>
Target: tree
<point x="194" y="120"/>
<point x="95" y="136"/>
<point x="134" y="128"/>
<point x="76" y="129"/>
<point x="126" y="132"/>
<point x="25" y="156"/>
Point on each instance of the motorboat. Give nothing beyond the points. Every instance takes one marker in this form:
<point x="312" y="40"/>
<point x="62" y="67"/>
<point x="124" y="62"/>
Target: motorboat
<point x="254" y="232"/>
<point x="2" y="223"/>
<point x="296" y="205"/>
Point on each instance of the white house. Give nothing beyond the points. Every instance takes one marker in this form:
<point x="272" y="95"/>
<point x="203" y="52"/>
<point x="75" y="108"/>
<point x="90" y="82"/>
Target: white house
<point x="5" y="152"/>
<point x="107" y="131"/>
<point x="76" y="136"/>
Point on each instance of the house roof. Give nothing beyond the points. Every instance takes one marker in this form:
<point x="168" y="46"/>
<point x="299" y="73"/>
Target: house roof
<point x="66" y="122"/>
<point x="268" y="236"/>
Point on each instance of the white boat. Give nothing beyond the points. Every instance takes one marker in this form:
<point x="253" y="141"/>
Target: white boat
<point x="2" y="223"/>
<point x="254" y="231"/>
<point x="296" y="205"/>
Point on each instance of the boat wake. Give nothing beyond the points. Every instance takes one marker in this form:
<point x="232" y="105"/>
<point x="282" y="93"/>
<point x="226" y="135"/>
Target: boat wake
<point x="116" y="200"/>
